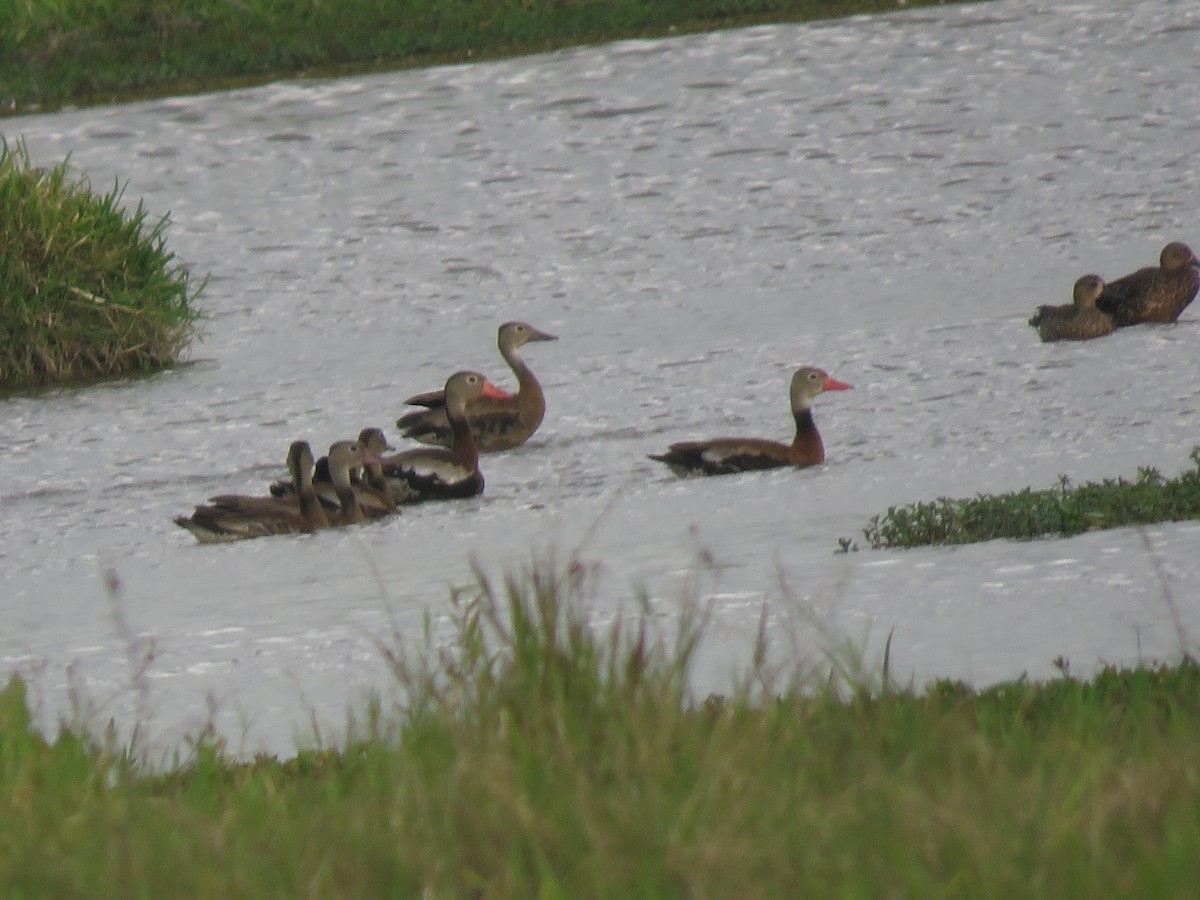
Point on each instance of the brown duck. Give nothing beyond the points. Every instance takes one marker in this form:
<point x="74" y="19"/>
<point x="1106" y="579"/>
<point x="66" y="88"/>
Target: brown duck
<point x="375" y="443"/>
<point x="1154" y="294"/>
<point x="232" y="517"/>
<point x="440" y="473"/>
<point x="725" y="456"/>
<point x="1078" y="321"/>
<point x="367" y="480"/>
<point x="500" y="421"/>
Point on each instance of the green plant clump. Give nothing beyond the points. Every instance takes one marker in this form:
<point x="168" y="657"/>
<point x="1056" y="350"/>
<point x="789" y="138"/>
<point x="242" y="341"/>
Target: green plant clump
<point x="1065" y="510"/>
<point x="538" y="756"/>
<point x="87" y="289"/>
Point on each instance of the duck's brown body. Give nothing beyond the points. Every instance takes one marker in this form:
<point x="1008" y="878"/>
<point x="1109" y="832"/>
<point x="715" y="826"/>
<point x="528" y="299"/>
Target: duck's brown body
<point x="499" y="421"/>
<point x="1154" y="294"/>
<point x="726" y="456"/>
<point x="1078" y="321"/>
<point x="232" y="517"/>
<point x="437" y="473"/>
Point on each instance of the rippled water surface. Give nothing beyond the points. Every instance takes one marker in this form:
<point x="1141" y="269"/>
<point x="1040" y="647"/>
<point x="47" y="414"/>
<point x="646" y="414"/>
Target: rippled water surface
<point x="888" y="197"/>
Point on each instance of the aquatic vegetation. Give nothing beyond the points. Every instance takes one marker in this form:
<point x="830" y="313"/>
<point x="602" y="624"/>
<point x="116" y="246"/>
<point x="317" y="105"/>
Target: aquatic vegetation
<point x="71" y="51"/>
<point x="1063" y="511"/>
<point x="87" y="289"/>
<point x="539" y="755"/>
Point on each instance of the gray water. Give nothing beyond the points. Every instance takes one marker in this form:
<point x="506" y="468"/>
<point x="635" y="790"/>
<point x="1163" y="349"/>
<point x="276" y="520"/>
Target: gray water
<point x="887" y="197"/>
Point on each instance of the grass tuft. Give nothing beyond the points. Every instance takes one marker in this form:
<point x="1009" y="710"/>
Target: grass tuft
<point x="1065" y="510"/>
<point x="87" y="289"/>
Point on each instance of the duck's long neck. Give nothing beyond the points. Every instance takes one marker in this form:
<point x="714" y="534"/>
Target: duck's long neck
<point x="807" y="447"/>
<point x="462" y="439"/>
<point x="530" y="399"/>
<point x="310" y="504"/>
<point x="378" y="482"/>
<point x="351" y="511"/>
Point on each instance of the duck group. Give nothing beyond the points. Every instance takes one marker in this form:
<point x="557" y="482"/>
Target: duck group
<point x="360" y="480"/>
<point x="1155" y="294"/>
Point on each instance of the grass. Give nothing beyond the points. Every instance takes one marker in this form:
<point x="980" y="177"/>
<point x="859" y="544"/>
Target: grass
<point x="85" y="51"/>
<point x="1062" y="511"/>
<point x="87" y="289"/>
<point x="537" y="756"/>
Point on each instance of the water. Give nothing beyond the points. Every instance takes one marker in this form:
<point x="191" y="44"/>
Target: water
<point x="887" y="197"/>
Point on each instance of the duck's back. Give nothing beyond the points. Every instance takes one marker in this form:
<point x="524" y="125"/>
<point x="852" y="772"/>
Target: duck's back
<point x="1081" y="325"/>
<point x="1149" y="295"/>
<point x="1049" y="313"/>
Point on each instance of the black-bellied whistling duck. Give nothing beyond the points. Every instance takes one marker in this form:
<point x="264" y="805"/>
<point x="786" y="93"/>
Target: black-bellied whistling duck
<point x="498" y="422"/>
<point x="1078" y="321"/>
<point x="725" y="456"/>
<point x="440" y="473"/>
<point x="344" y="456"/>
<point x="375" y="443"/>
<point x="369" y="487"/>
<point x="232" y="517"/>
<point x="1154" y="294"/>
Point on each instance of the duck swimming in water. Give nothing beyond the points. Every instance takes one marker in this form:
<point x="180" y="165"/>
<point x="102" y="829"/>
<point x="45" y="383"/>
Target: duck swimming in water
<point x="1078" y="321"/>
<point x="232" y="517"/>
<point x="444" y="473"/>
<point x="725" y="456"/>
<point x="1156" y="293"/>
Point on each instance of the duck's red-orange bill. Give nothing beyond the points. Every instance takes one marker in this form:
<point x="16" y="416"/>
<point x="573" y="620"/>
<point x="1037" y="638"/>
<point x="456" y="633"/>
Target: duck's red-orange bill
<point x="490" y="390"/>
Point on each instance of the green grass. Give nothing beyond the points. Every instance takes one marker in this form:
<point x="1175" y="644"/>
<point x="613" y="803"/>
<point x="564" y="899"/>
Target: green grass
<point x="87" y="289"/>
<point x="537" y="757"/>
<point x="1062" y="511"/>
<point x="80" y="51"/>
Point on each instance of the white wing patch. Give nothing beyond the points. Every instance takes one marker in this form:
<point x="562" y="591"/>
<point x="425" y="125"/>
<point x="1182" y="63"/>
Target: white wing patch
<point x="441" y="469"/>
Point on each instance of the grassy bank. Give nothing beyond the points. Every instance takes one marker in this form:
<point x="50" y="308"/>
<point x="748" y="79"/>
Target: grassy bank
<point x="539" y="758"/>
<point x="1062" y="511"/>
<point x="87" y="289"/>
<point x="78" y="51"/>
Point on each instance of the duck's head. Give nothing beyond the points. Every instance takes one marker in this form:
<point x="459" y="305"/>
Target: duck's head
<point x="1088" y="289"/>
<point x="345" y="455"/>
<point x="1178" y="255"/>
<point x="809" y="381"/>
<point x="374" y="441"/>
<point x="517" y="334"/>
<point x="463" y="387"/>
<point x="299" y="458"/>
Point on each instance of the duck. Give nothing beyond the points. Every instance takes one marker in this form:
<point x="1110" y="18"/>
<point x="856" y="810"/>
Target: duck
<point x="231" y="517"/>
<point x="1154" y="294"/>
<point x="725" y="456"/>
<point x="367" y="480"/>
<point x="499" y="422"/>
<point x="444" y="473"/>
<point x="300" y="464"/>
<point x="376" y="445"/>
<point x="1078" y="321"/>
<point x="344" y="456"/>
